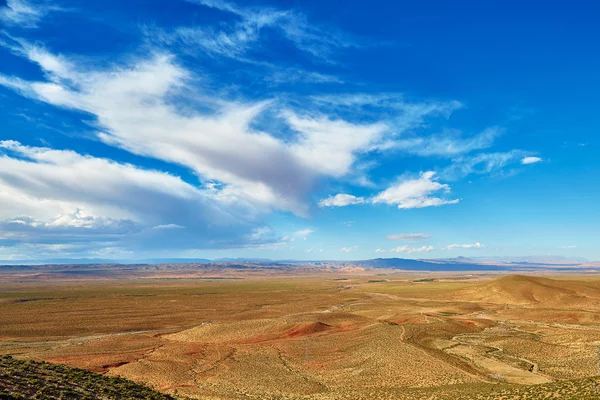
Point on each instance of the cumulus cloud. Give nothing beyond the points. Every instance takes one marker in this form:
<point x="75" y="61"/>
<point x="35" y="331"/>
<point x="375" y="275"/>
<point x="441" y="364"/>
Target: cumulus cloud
<point x="349" y="249"/>
<point x="332" y="144"/>
<point x="530" y="160"/>
<point x="133" y="109"/>
<point x="476" y="245"/>
<point x="132" y="112"/>
<point x="63" y="193"/>
<point x="408" y="193"/>
<point x="152" y="106"/>
<point x="415" y="193"/>
<point x="407" y="249"/>
<point x="341" y="200"/>
<point x="409" y="236"/>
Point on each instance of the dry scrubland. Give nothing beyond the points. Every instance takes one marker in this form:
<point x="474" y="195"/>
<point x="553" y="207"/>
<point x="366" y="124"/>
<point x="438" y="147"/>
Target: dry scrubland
<point x="39" y="380"/>
<point x="342" y="335"/>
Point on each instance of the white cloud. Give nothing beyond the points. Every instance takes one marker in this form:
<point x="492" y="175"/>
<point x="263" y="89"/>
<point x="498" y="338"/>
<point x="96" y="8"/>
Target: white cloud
<point x="483" y="163"/>
<point x="349" y="249"/>
<point x="304" y="233"/>
<point x="168" y="226"/>
<point x="332" y="145"/>
<point x="260" y="233"/>
<point x="308" y="250"/>
<point x="530" y="160"/>
<point x="464" y="246"/>
<point x="134" y="110"/>
<point x="400" y="115"/>
<point x="154" y="107"/>
<point x="449" y="143"/>
<point x="73" y="225"/>
<point x="25" y="13"/>
<point x="234" y="38"/>
<point x="341" y="200"/>
<point x="295" y="75"/>
<point x="415" y="193"/>
<point x="567" y="247"/>
<point x="409" y="193"/>
<point x="409" y="250"/>
<point x="408" y="236"/>
<point x="94" y="196"/>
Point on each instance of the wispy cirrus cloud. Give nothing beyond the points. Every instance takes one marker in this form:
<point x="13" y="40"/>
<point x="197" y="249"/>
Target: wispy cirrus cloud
<point x="297" y="75"/>
<point x="407" y="249"/>
<point x="448" y="143"/>
<point x="409" y="236"/>
<point x="26" y="13"/>
<point x="482" y="163"/>
<point x="236" y="38"/>
<point x="155" y="105"/>
<point x="133" y="110"/>
<point x="400" y="114"/>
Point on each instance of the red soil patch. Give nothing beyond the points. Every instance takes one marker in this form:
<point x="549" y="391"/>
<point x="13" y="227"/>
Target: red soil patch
<point x="114" y="365"/>
<point x="308" y="329"/>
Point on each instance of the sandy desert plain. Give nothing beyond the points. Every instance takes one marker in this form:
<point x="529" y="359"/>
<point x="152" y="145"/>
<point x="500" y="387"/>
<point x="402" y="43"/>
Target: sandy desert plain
<point x="350" y="333"/>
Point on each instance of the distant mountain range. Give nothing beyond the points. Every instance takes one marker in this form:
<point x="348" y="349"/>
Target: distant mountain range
<point x="428" y="265"/>
<point x="440" y="264"/>
<point x="71" y="261"/>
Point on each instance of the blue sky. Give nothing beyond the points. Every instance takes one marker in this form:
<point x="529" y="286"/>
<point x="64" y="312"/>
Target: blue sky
<point x="305" y="130"/>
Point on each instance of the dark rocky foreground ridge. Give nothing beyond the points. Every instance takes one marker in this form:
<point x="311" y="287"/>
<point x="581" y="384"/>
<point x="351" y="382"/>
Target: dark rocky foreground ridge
<point x="40" y="380"/>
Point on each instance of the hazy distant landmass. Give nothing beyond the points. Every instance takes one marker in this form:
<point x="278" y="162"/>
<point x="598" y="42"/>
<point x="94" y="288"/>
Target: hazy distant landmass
<point x="232" y="267"/>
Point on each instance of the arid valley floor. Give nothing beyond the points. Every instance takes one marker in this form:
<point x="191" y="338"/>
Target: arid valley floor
<point x="352" y="333"/>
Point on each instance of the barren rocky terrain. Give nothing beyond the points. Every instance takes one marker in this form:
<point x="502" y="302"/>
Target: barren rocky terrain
<point x="347" y="334"/>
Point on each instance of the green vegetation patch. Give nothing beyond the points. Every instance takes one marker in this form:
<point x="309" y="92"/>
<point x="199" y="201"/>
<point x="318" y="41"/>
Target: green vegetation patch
<point x="41" y="380"/>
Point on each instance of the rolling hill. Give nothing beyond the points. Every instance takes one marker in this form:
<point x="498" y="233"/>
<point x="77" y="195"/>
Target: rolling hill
<point x="533" y="290"/>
